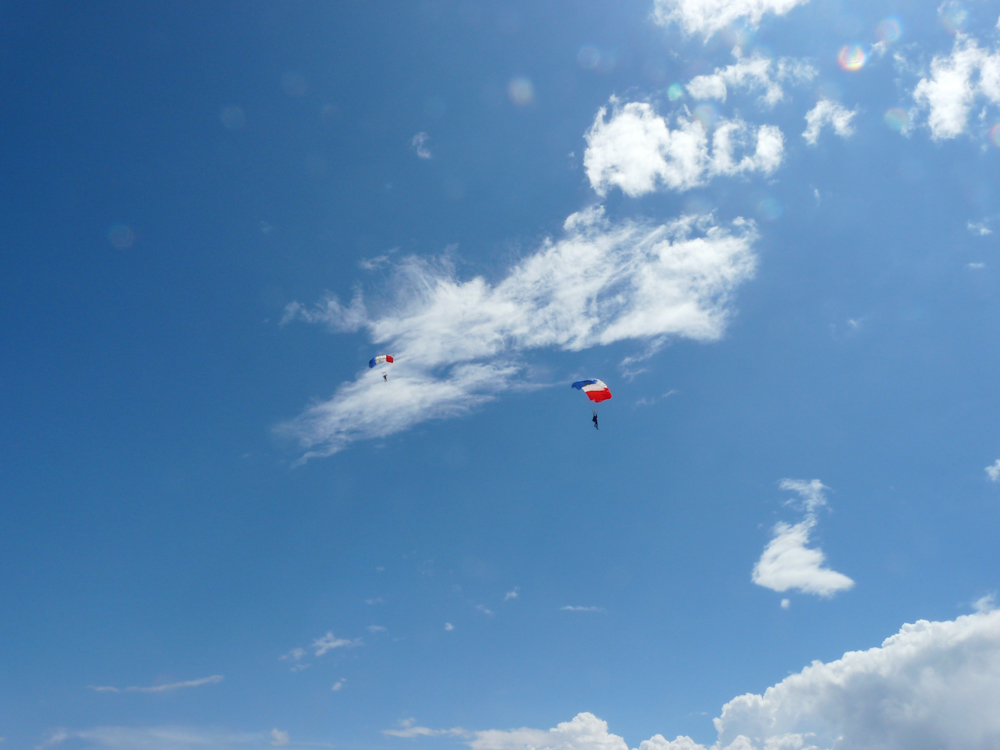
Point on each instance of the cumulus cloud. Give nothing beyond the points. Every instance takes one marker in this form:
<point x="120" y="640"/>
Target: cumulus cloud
<point x="459" y="343"/>
<point x="957" y="81"/>
<point x="993" y="471"/>
<point x="979" y="227"/>
<point x="705" y="17"/>
<point x="756" y="73"/>
<point x="827" y="112"/>
<point x="932" y="685"/>
<point x="787" y="561"/>
<point x="279" y="738"/>
<point x="215" y="678"/>
<point x="636" y="151"/>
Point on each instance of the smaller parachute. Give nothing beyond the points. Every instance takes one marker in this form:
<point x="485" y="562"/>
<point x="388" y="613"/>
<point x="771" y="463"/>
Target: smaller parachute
<point x="596" y="390"/>
<point x="380" y="359"/>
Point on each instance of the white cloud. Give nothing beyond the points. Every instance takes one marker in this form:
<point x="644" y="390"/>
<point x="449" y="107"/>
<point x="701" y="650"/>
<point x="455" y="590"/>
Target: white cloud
<point x="215" y="678"/>
<point x="376" y="600"/>
<point x="956" y="82"/>
<point x="409" y="728"/>
<point x="827" y="112"/>
<point x="753" y="74"/>
<point x="482" y="608"/>
<point x="932" y="685"/>
<point x="419" y="144"/>
<point x="993" y="471"/>
<point x="376" y="628"/>
<point x="457" y="343"/>
<point x="980" y="228"/>
<point x="787" y="562"/>
<point x="279" y="738"/>
<point x="985" y="604"/>
<point x="338" y="685"/>
<point x="329" y="642"/>
<point x="650" y="401"/>
<point x="785" y="604"/>
<point x="155" y="738"/>
<point x="705" y="17"/>
<point x="512" y="594"/>
<point x="637" y="152"/>
<point x="294" y="655"/>
<point x="571" y="608"/>
<point x="449" y="626"/>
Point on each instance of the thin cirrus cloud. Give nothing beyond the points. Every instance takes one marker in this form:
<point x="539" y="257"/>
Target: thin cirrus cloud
<point x="169" y="687"/>
<point x="957" y="82"/>
<point x="931" y="685"/>
<point x="828" y="113"/>
<point x="635" y="150"/>
<point x="459" y="343"/>
<point x="159" y="738"/>
<point x="756" y="73"/>
<point x="788" y="562"/>
<point x="705" y="17"/>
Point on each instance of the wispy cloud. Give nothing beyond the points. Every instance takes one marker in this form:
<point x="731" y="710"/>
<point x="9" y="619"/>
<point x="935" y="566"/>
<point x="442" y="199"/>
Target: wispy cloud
<point x="449" y="626"/>
<point x="215" y="678"/>
<point x="571" y="608"/>
<point x="419" y="144"/>
<point x="482" y="608"/>
<point x="409" y="728"/>
<point x="338" y="685"/>
<point x="827" y="112"/>
<point x="993" y="471"/>
<point x="279" y="738"/>
<point x="787" y="562"/>
<point x="512" y="594"/>
<point x="756" y="73"/>
<point x="155" y="738"/>
<point x="329" y="642"/>
<point x="459" y="343"/>
<point x="644" y="401"/>
<point x="635" y="150"/>
<point x="979" y="227"/>
<point x="376" y="629"/>
<point x="705" y="17"/>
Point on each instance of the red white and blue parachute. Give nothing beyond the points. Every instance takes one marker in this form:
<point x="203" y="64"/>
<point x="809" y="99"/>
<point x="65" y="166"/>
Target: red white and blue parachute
<point x="380" y="359"/>
<point x="596" y="390"/>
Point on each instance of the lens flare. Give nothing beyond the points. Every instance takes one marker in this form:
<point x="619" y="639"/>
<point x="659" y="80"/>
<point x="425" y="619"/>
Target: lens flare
<point x="521" y="91"/>
<point x="896" y="118"/>
<point x="675" y="92"/>
<point x="851" y="57"/>
<point x="770" y="209"/>
<point x="232" y="118"/>
<point x="889" y="30"/>
<point x="954" y="19"/>
<point x="995" y="134"/>
<point x="122" y="236"/>
<point x="706" y="115"/>
<point x="589" y="57"/>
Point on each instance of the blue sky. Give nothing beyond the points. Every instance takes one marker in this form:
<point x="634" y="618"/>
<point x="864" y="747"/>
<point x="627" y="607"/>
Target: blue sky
<point x="769" y="227"/>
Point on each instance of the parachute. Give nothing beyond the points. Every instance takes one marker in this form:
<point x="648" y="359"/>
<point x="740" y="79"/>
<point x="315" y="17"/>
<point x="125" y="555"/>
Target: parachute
<point x="380" y="359"/>
<point x="596" y="390"/>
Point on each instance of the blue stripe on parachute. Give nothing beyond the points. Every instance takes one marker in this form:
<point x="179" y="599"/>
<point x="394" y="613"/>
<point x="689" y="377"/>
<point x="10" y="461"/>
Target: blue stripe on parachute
<point x="371" y="363"/>
<point x="579" y="384"/>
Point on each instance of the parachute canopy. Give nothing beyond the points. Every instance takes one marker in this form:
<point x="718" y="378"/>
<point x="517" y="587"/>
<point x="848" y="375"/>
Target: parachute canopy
<point x="596" y="390"/>
<point x="380" y="359"/>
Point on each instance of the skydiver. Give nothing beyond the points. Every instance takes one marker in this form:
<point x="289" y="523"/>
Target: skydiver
<point x="594" y="420"/>
<point x="385" y="377"/>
